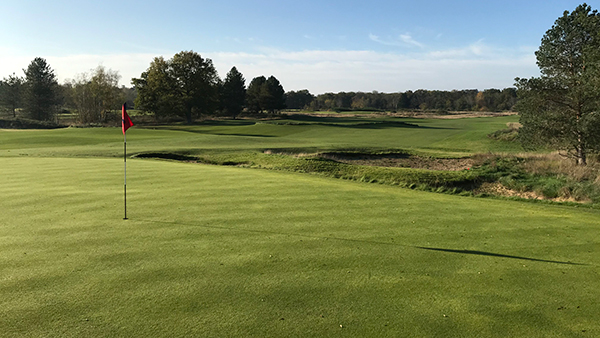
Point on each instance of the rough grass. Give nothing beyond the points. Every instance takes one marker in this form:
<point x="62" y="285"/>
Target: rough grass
<point x="547" y="175"/>
<point x="215" y="251"/>
<point x="508" y="134"/>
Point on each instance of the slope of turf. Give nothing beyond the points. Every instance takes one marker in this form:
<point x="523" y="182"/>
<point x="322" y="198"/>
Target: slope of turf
<point x="213" y="251"/>
<point x="439" y="137"/>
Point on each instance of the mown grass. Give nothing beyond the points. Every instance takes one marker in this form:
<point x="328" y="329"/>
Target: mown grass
<point x="217" y="251"/>
<point x="432" y="137"/>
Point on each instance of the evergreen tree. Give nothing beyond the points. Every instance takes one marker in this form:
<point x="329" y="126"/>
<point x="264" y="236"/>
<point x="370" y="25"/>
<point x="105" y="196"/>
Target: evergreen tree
<point x="253" y="94"/>
<point x="41" y="95"/>
<point x="560" y="109"/>
<point x="233" y="93"/>
<point x="272" y="95"/>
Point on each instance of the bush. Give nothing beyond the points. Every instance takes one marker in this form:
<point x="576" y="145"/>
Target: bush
<point x="509" y="134"/>
<point x="22" y="123"/>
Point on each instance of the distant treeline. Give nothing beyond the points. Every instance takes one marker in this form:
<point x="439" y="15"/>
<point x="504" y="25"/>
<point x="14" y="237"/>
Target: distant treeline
<point x="455" y="100"/>
<point x="188" y="87"/>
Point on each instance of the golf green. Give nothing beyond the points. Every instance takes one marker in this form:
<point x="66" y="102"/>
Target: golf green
<point x="222" y="251"/>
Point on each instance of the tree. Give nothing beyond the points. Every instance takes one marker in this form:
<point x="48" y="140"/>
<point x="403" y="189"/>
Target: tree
<point x="129" y="95"/>
<point x="509" y="99"/>
<point x="95" y="94"/>
<point x="560" y="108"/>
<point x="233" y="93"/>
<point x="156" y="89"/>
<point x="272" y="95"/>
<point x="10" y="93"/>
<point x="298" y="99"/>
<point x="196" y="83"/>
<point x="480" y="99"/>
<point x="186" y="85"/>
<point x="253" y="94"/>
<point x="41" y="95"/>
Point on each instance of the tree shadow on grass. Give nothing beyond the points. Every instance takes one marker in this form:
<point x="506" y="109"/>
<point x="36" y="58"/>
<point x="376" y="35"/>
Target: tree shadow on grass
<point x="295" y="120"/>
<point x="210" y="132"/>
<point x="465" y="252"/>
<point x="383" y="125"/>
<point x="485" y="253"/>
<point x="223" y="123"/>
<point x="348" y="122"/>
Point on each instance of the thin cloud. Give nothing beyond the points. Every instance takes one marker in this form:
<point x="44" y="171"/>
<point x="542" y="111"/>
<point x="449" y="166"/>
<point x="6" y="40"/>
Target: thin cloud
<point x="376" y="38"/>
<point x="482" y="51"/>
<point x="404" y="40"/>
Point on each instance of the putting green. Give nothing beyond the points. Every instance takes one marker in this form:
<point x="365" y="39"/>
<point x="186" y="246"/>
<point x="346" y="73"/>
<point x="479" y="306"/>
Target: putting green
<point x="219" y="251"/>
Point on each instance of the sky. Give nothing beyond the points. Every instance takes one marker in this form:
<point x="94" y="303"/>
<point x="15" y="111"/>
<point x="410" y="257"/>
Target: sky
<point x="322" y="46"/>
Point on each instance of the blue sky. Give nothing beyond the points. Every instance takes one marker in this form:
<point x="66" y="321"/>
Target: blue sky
<point x="323" y="46"/>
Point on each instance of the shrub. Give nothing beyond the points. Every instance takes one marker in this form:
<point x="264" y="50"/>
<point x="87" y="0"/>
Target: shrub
<point x="23" y="123"/>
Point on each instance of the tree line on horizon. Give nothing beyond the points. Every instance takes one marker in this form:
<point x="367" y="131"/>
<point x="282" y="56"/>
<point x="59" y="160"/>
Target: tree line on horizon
<point x="422" y="99"/>
<point x="187" y="86"/>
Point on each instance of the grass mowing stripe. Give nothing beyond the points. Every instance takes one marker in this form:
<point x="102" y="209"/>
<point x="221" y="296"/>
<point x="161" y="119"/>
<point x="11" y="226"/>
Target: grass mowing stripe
<point x="439" y="137"/>
<point x="70" y="266"/>
<point x="466" y="252"/>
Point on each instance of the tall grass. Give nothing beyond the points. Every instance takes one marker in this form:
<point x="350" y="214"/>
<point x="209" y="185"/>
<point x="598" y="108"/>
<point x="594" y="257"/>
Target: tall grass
<point x="549" y="175"/>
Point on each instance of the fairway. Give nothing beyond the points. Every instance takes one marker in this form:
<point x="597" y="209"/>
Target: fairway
<point x="459" y="137"/>
<point x="214" y="251"/>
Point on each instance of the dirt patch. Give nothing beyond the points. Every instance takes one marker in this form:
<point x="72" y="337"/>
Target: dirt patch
<point x="401" y="161"/>
<point x="498" y="189"/>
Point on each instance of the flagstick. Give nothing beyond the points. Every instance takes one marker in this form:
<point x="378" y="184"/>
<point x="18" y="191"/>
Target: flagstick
<point x="125" y="171"/>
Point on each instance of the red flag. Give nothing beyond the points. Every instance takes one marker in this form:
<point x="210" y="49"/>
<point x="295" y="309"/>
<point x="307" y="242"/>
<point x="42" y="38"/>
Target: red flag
<point x="125" y="120"/>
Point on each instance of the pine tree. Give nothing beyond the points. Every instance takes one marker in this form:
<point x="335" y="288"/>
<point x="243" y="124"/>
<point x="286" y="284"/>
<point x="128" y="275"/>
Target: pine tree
<point x="41" y="95"/>
<point x="560" y="109"/>
<point x="253" y="94"/>
<point x="272" y="95"/>
<point x="233" y="93"/>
